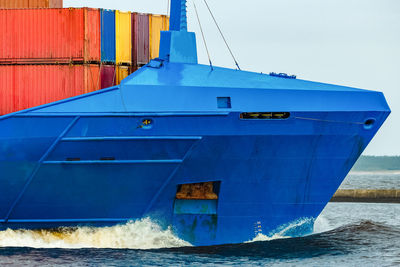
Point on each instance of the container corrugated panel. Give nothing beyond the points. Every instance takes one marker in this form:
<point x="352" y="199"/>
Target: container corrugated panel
<point x="157" y="23"/>
<point x="92" y="38"/>
<point x="140" y="39"/>
<point x="122" y="72"/>
<point x="107" y="35"/>
<point x="166" y="23"/>
<point x="38" y="3"/>
<point x="14" y="3"/>
<point x="92" y="78"/>
<point x="31" y="3"/>
<point x="26" y="86"/>
<point x="108" y="78"/>
<point x="123" y="37"/>
<point x="7" y="91"/>
<point x="49" y="35"/>
<point x="55" y="3"/>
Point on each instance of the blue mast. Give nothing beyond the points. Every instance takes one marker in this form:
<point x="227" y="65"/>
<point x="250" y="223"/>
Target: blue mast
<point x="178" y="20"/>
<point x="178" y="45"/>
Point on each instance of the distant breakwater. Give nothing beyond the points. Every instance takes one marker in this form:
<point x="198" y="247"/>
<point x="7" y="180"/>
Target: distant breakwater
<point x="367" y="195"/>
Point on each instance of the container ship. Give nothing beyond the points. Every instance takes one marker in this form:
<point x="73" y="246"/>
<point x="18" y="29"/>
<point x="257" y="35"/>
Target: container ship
<point x="217" y="154"/>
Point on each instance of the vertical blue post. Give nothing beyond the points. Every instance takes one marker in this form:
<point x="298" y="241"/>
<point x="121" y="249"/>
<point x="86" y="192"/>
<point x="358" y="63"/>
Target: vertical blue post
<point x="178" y="20"/>
<point x="178" y="45"/>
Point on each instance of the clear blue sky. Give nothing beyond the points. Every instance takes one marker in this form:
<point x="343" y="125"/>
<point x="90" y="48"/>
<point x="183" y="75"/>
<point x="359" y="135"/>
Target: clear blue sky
<point x="347" y="42"/>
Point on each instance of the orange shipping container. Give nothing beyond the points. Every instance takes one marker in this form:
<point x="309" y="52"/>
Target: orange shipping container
<point x="38" y="4"/>
<point x="26" y="86"/>
<point x="49" y="35"/>
<point x="31" y="3"/>
<point x="55" y="3"/>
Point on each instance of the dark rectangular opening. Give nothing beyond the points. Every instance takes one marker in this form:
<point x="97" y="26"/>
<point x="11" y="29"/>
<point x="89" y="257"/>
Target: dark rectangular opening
<point x="224" y="102"/>
<point x="205" y="190"/>
<point x="107" y="158"/>
<point x="197" y="198"/>
<point x="265" y="115"/>
<point x="73" y="159"/>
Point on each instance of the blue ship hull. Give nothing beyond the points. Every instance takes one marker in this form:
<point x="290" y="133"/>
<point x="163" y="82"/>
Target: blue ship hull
<point x="275" y="150"/>
<point x="271" y="172"/>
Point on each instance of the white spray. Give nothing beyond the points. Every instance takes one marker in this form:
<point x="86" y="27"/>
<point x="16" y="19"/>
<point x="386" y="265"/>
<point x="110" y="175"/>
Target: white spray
<point x="141" y="234"/>
<point x="283" y="231"/>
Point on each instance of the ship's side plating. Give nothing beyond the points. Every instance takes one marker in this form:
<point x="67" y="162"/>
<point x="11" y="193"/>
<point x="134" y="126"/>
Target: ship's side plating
<point x="275" y="149"/>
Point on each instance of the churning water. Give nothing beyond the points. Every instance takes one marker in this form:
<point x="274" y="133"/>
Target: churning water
<point x="141" y="234"/>
<point x="345" y="234"/>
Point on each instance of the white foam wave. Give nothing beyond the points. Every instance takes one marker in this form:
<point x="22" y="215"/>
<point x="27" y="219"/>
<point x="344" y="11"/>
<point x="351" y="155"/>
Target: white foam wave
<point x="262" y="237"/>
<point x="321" y="225"/>
<point x="283" y="231"/>
<point x="140" y="234"/>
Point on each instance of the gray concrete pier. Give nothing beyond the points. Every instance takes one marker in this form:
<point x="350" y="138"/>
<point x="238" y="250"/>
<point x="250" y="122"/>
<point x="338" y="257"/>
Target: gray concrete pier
<point x="367" y="195"/>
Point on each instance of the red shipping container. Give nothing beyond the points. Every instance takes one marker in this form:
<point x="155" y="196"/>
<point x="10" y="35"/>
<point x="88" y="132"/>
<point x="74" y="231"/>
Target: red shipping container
<point x="140" y="39"/>
<point x="107" y="76"/>
<point x="132" y="69"/>
<point x="49" y="36"/>
<point x="26" y="86"/>
<point x="31" y="3"/>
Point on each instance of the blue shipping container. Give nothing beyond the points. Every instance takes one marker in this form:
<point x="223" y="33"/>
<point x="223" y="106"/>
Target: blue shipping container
<point x="107" y="35"/>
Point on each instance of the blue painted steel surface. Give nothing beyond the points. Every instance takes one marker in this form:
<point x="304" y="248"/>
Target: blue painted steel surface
<point x="106" y="167"/>
<point x="107" y="35"/>
<point x="191" y="206"/>
<point x="178" y="47"/>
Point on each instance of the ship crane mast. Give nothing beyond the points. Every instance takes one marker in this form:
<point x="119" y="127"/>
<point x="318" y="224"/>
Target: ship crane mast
<point x="178" y="45"/>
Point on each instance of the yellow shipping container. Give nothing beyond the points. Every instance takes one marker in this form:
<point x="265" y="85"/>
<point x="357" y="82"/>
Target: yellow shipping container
<point x="122" y="73"/>
<point x="123" y="37"/>
<point x="158" y="23"/>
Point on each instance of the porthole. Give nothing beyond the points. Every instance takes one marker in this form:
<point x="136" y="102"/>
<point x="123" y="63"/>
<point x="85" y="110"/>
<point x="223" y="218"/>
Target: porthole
<point x="146" y="123"/>
<point x="369" y="123"/>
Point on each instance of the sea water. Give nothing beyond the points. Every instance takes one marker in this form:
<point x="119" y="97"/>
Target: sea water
<point x="372" y="180"/>
<point x="346" y="234"/>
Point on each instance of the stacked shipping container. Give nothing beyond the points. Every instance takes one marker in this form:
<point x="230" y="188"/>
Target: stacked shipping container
<point x="108" y="42"/>
<point x="107" y="36"/>
<point x="123" y="38"/>
<point x="25" y="86"/>
<point x="157" y="23"/>
<point x="51" y="54"/>
<point x="31" y="3"/>
<point x="49" y="36"/>
<point x="140" y="39"/>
